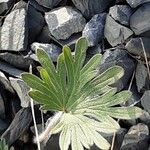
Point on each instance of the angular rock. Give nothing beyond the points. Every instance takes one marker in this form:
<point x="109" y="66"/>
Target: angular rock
<point x="142" y="78"/>
<point x="134" y="46"/>
<point x="22" y="90"/>
<point x="5" y="5"/>
<point x="63" y="26"/>
<point x="5" y="67"/>
<point x="135" y="3"/>
<point x="118" y="57"/>
<point x="140" y="20"/>
<point x="52" y="50"/>
<point x="13" y="34"/>
<point x="121" y="13"/>
<point x="145" y="101"/>
<point x="94" y="29"/>
<point x="136" y="138"/>
<point x="4" y="82"/>
<point x="116" y="33"/>
<point x="19" y="61"/>
<point x="89" y="8"/>
<point x="2" y="107"/>
<point x="18" y="126"/>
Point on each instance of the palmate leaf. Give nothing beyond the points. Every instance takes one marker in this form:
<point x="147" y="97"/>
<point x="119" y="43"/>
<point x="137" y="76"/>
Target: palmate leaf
<point x="3" y="145"/>
<point x="85" y="97"/>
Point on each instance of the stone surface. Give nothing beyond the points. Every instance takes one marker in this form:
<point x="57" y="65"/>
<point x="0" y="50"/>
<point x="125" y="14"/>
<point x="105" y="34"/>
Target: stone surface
<point x="89" y="8"/>
<point x="140" y="20"/>
<point x="2" y="107"/>
<point x="121" y="58"/>
<point x="52" y="50"/>
<point x="22" y="90"/>
<point x="94" y="29"/>
<point x="64" y="21"/>
<point x="142" y="79"/>
<point x="18" y="126"/>
<point x="134" y="46"/>
<point x="145" y="100"/>
<point x="5" y="67"/>
<point x="136" y="138"/>
<point x="13" y="34"/>
<point x="4" y="82"/>
<point x="3" y="126"/>
<point x="135" y="3"/>
<point x="20" y="61"/>
<point x="121" y="13"/>
<point x="116" y="33"/>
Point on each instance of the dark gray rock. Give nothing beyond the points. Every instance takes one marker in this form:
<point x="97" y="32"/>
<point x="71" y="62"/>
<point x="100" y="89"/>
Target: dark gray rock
<point x="13" y="34"/>
<point x="22" y="90"/>
<point x="135" y="3"/>
<point x="3" y="126"/>
<point x="18" y="126"/>
<point x="145" y="100"/>
<point x="52" y="50"/>
<point x="94" y="29"/>
<point x="5" y="67"/>
<point x="140" y="20"/>
<point x="19" y="61"/>
<point x="2" y="107"/>
<point x="89" y="8"/>
<point x="121" y="58"/>
<point x="142" y="78"/>
<point x="116" y="33"/>
<point x="145" y="118"/>
<point x="121" y="13"/>
<point x="5" y="5"/>
<point x="136" y="138"/>
<point x="4" y="82"/>
<point x="134" y="46"/>
<point x="63" y="26"/>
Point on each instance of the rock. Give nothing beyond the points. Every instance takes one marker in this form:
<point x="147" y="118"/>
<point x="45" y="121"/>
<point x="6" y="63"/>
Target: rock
<point x="5" y="67"/>
<point x="142" y="78"/>
<point x="63" y="26"/>
<point x="49" y="3"/>
<point x="2" y="107"/>
<point x="89" y="8"/>
<point x="19" y="61"/>
<point x="121" y="58"/>
<point x="136" y="138"/>
<point x="145" y="101"/>
<point x="3" y="126"/>
<point x="4" y="83"/>
<point x="94" y="50"/>
<point x="94" y="29"/>
<point x="121" y="13"/>
<point x="18" y="126"/>
<point x="52" y="50"/>
<point x="135" y="3"/>
<point x="115" y="33"/>
<point x="134" y="46"/>
<point x="140" y="20"/>
<point x="5" y="5"/>
<point x="13" y="34"/>
<point x="22" y="90"/>
<point x="145" y="118"/>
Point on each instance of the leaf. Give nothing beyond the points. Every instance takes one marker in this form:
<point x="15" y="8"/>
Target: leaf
<point x="3" y="145"/>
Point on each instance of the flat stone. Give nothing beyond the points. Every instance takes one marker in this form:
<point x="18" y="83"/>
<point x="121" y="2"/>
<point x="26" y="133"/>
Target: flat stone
<point x="94" y="29"/>
<point x="134" y="46"/>
<point x="5" y="67"/>
<point x="140" y="20"/>
<point x="145" y="100"/>
<point x="121" y="58"/>
<point x="20" y="61"/>
<point x="142" y="79"/>
<point x="5" y="83"/>
<point x="13" y="34"/>
<point x="121" y="13"/>
<point x="135" y="3"/>
<point x="116" y="33"/>
<point x="136" y="138"/>
<point x="64" y="21"/>
<point x="52" y="50"/>
<point x="22" y="91"/>
<point x="89" y="8"/>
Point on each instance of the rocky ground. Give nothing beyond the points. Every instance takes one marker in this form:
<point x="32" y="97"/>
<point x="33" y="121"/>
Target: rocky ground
<point x="119" y="29"/>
